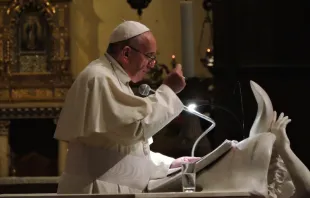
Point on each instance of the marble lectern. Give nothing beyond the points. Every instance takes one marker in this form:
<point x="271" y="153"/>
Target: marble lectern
<point x="251" y="166"/>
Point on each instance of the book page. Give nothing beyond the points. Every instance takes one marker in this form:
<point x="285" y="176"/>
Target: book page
<point x="176" y="175"/>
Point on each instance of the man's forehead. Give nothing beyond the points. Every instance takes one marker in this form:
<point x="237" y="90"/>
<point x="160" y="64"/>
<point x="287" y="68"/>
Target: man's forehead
<point x="149" y="43"/>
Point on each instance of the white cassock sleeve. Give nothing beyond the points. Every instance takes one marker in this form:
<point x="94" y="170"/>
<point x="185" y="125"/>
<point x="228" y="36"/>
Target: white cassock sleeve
<point x="106" y="110"/>
<point x="132" y="119"/>
<point x="162" y="163"/>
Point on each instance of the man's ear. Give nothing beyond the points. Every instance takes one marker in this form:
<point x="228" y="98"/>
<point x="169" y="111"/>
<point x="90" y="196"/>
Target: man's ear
<point x="126" y="51"/>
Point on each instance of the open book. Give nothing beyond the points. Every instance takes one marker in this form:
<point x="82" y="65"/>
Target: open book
<point x="173" y="180"/>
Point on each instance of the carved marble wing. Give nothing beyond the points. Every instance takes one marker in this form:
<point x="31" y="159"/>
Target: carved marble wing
<point x="264" y="113"/>
<point x="279" y="181"/>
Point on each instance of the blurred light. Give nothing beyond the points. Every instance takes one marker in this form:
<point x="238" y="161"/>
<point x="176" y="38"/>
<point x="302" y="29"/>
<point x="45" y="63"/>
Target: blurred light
<point x="191" y="107"/>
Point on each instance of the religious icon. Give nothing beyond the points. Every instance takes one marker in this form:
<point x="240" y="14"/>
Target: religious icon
<point x="32" y="34"/>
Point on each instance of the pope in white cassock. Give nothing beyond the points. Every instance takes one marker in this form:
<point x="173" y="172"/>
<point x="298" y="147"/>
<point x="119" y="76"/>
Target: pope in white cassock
<point x="108" y="128"/>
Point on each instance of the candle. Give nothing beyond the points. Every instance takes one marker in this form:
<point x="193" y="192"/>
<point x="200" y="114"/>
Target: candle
<point x="209" y="57"/>
<point x="173" y="61"/>
<point x="187" y="35"/>
<point x="209" y="52"/>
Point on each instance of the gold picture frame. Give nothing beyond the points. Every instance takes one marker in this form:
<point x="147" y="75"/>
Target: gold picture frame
<point x="33" y="68"/>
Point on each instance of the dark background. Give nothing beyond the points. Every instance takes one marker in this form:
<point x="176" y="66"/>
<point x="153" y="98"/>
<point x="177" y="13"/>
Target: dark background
<point x="266" y="41"/>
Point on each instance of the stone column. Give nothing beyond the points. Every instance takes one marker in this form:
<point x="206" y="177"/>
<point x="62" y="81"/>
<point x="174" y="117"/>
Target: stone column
<point x="4" y="148"/>
<point x="62" y="153"/>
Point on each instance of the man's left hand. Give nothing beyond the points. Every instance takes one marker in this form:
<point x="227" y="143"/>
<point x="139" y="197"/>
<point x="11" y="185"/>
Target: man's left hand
<point x="179" y="161"/>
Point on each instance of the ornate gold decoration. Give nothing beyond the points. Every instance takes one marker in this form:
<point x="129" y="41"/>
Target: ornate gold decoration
<point x="32" y="67"/>
<point x="29" y="112"/>
<point x="60" y="93"/>
<point x="4" y="127"/>
<point x="33" y="63"/>
<point x="31" y="94"/>
<point x="34" y="59"/>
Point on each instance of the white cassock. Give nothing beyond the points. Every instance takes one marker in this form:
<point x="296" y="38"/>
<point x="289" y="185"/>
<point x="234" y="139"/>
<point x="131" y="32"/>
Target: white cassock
<point x="109" y="129"/>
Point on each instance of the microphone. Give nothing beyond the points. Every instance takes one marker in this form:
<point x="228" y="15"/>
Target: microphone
<point x="145" y="90"/>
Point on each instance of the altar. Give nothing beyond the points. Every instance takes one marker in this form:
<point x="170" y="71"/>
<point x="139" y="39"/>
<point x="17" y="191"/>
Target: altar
<point x="35" y="75"/>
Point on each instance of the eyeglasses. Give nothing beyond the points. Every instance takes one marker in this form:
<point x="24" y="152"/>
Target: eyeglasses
<point x="152" y="58"/>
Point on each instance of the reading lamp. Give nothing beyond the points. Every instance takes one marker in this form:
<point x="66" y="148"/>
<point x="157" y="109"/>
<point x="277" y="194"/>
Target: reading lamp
<point x="145" y="90"/>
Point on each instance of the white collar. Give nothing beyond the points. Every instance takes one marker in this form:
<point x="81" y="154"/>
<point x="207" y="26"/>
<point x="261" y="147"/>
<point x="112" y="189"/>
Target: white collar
<point x="120" y="72"/>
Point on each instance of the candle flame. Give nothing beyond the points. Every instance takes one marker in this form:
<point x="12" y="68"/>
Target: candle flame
<point x="208" y="50"/>
<point x="173" y="56"/>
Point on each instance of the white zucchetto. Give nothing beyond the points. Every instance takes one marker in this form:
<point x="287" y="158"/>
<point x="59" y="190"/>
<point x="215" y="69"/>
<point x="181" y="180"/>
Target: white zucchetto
<point x="127" y="30"/>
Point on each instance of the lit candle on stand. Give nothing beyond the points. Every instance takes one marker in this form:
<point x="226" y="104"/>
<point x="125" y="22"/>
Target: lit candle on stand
<point x="209" y="57"/>
<point x="173" y="62"/>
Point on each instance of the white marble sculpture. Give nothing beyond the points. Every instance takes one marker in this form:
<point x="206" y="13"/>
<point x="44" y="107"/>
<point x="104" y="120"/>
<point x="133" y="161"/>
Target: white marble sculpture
<point x="250" y="166"/>
<point x="279" y="181"/>
<point x="262" y="164"/>
<point x="255" y="165"/>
